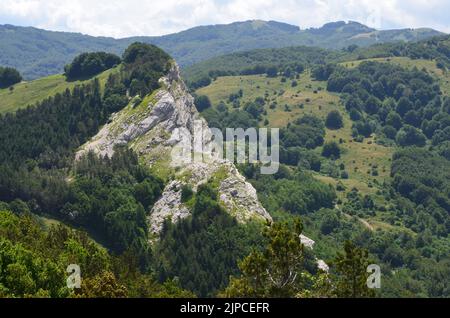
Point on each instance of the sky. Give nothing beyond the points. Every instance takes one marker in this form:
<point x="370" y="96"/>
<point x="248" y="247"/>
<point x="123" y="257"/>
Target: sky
<point x="123" y="18"/>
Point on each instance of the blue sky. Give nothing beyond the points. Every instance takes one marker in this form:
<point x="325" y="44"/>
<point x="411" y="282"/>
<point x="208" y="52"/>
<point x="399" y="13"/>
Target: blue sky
<point x="120" y="18"/>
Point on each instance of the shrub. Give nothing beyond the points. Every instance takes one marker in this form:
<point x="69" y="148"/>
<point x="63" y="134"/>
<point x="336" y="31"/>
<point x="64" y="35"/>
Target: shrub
<point x="202" y="102"/>
<point x="334" y="120"/>
<point x="186" y="193"/>
<point x="9" y="76"/>
<point x="331" y="149"/>
<point x="410" y="136"/>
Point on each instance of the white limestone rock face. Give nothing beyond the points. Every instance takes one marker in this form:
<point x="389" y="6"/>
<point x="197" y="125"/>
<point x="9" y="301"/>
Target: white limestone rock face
<point x="309" y="243"/>
<point x="323" y="266"/>
<point x="155" y="129"/>
<point x="240" y="197"/>
<point x="168" y="206"/>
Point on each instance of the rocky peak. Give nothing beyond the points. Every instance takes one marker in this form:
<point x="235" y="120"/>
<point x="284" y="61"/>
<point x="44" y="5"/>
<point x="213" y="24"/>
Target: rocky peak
<point x="153" y="129"/>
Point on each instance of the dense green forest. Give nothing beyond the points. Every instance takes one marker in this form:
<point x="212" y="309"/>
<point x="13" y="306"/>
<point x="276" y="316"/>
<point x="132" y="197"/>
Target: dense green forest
<point x="204" y="249"/>
<point x="35" y="257"/>
<point x="406" y="105"/>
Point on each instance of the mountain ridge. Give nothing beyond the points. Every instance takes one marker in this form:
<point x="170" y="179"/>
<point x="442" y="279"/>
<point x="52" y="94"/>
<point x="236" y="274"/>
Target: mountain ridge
<point x="36" y="52"/>
<point x="156" y="130"/>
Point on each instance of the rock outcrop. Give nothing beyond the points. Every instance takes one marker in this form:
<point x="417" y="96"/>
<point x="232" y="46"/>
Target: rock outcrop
<point x="155" y="129"/>
<point x="309" y="243"/>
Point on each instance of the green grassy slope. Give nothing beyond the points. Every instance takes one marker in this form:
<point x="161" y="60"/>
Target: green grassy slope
<point x="311" y="98"/>
<point x="29" y="93"/>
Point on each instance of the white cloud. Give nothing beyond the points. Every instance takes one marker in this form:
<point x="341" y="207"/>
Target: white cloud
<point x="120" y="18"/>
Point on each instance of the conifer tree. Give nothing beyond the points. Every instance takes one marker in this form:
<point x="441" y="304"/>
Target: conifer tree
<point x="275" y="272"/>
<point x="351" y="272"/>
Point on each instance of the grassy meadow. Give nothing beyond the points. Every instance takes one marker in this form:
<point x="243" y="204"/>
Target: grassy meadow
<point x="29" y="93"/>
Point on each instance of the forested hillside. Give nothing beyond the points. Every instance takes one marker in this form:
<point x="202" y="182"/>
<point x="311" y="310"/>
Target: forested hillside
<point x="35" y="257"/>
<point x="258" y="61"/>
<point x="373" y="124"/>
<point x="38" y="146"/>
<point x="38" y="53"/>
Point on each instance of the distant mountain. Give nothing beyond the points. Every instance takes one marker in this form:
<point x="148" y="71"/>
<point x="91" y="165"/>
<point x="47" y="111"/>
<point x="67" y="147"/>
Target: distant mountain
<point x="38" y="53"/>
